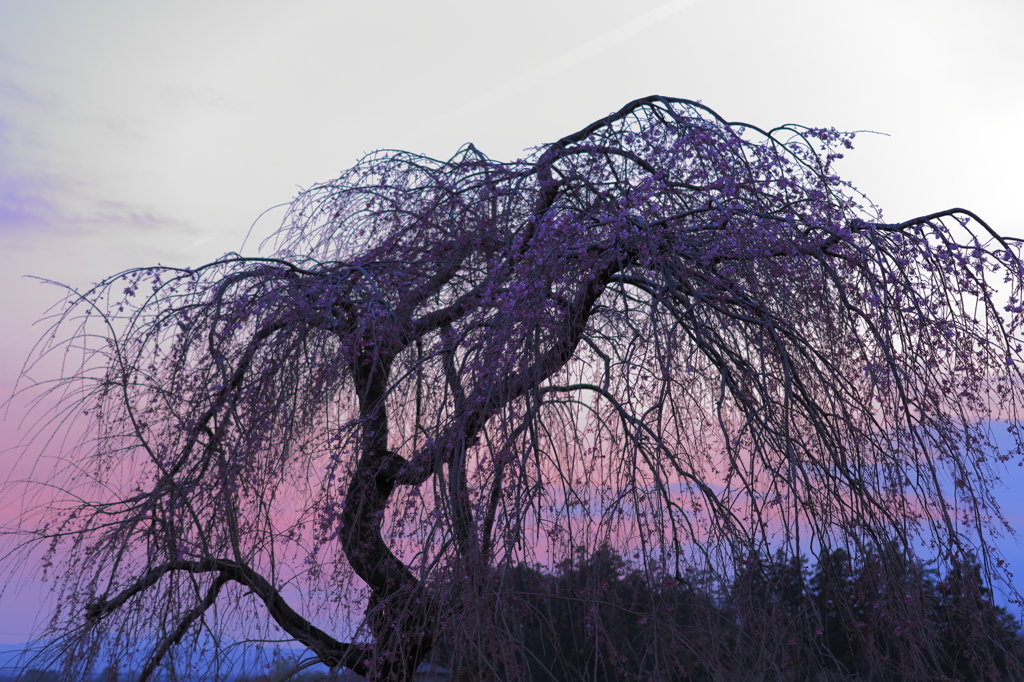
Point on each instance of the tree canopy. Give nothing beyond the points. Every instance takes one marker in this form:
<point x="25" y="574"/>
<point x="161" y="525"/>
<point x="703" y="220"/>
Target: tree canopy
<point x="680" y="337"/>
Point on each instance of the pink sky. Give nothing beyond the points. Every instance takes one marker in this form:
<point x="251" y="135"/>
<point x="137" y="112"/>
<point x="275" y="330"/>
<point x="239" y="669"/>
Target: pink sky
<point x="134" y="133"/>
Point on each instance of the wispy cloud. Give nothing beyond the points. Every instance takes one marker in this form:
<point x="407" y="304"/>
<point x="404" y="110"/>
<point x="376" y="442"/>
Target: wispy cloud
<point x="589" y="50"/>
<point x="20" y="206"/>
<point x="34" y="202"/>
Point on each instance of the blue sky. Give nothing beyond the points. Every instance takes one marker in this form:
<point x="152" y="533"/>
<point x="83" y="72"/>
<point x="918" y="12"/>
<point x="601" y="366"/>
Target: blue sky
<point x="136" y="132"/>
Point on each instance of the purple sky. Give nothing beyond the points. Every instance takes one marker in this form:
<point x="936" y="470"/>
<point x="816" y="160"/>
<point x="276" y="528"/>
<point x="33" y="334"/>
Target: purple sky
<point x="134" y="132"/>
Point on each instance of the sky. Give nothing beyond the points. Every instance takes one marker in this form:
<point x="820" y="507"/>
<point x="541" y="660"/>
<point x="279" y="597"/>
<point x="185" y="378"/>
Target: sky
<point x="135" y="132"/>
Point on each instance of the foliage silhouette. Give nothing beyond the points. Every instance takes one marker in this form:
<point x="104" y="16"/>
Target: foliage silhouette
<point x="599" y="619"/>
<point x="682" y="337"/>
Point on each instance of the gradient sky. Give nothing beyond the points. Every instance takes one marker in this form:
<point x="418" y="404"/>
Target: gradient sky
<point x="134" y="132"/>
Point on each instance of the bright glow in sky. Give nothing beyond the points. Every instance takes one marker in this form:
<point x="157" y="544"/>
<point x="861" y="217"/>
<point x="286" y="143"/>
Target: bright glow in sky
<point x="140" y="132"/>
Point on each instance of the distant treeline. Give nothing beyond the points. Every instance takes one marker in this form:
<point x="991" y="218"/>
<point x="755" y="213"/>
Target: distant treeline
<point x="595" y="618"/>
<point x="278" y="673"/>
<point x="880" y="618"/>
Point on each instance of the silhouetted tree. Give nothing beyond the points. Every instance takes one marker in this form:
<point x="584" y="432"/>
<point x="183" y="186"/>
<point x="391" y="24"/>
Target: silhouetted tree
<point x="980" y="640"/>
<point x="840" y="609"/>
<point x="596" y="617"/>
<point x="683" y="337"/>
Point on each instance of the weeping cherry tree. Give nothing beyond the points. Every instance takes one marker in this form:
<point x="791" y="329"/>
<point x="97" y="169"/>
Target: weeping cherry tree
<point x="678" y="337"/>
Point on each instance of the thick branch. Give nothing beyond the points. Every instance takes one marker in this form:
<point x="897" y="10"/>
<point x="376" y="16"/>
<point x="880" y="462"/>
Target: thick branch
<point x="365" y="503"/>
<point x="467" y="426"/>
<point x="329" y="650"/>
<point x="183" y="626"/>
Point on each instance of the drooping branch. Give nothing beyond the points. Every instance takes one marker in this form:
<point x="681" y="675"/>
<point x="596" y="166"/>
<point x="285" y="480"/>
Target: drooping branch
<point x="488" y="398"/>
<point x="332" y="652"/>
<point x="184" y="624"/>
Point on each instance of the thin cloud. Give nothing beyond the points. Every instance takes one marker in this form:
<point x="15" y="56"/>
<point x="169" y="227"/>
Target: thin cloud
<point x="31" y="206"/>
<point x="587" y="51"/>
